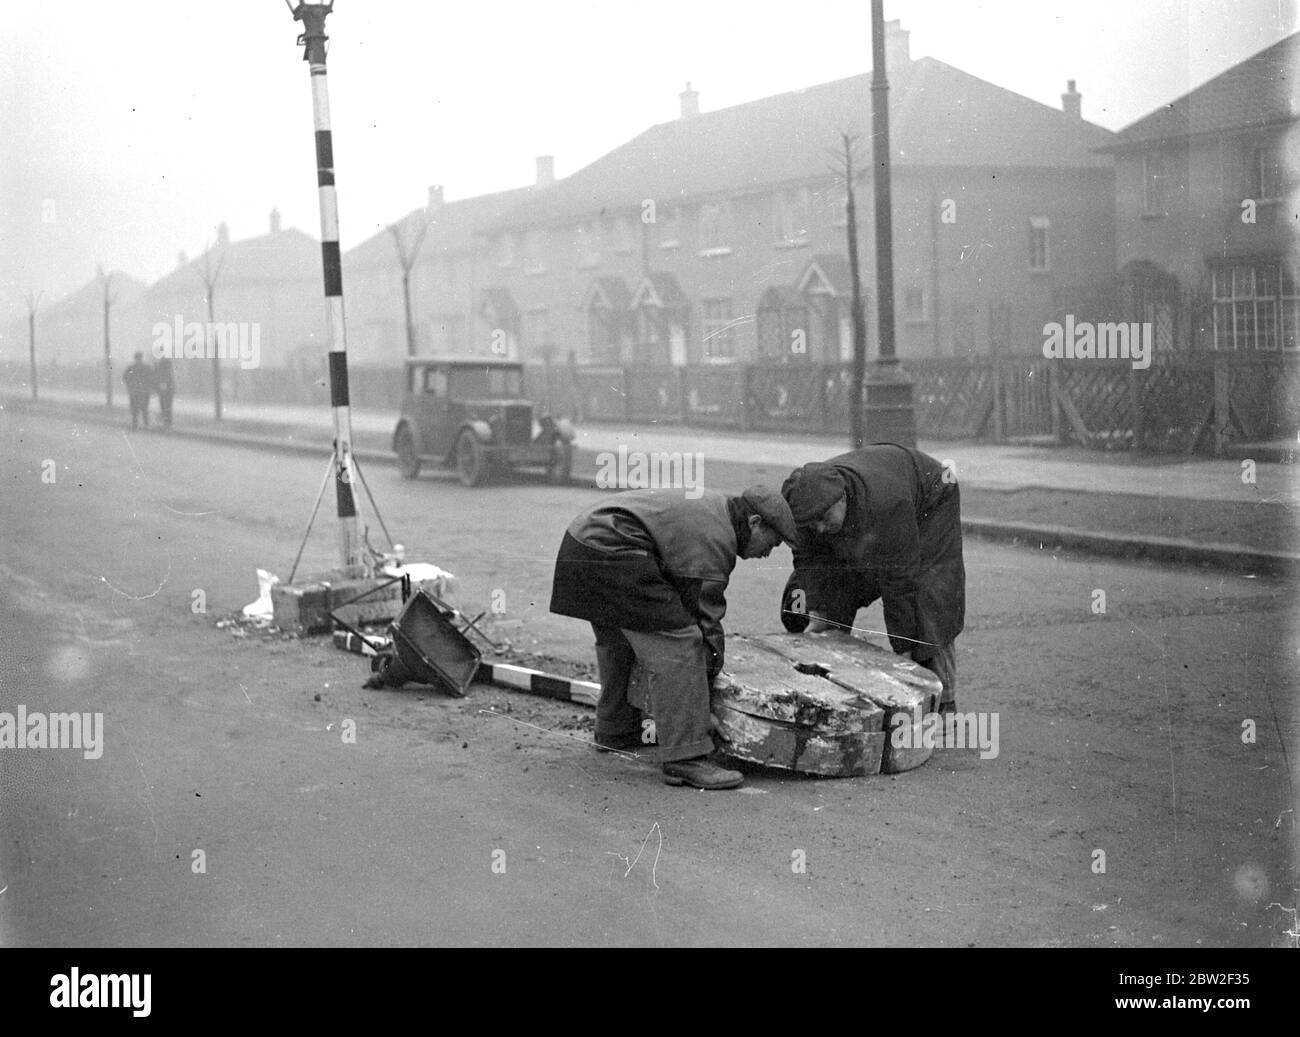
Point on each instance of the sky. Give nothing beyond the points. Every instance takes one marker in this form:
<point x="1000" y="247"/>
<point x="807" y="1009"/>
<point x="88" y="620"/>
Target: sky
<point x="130" y="129"/>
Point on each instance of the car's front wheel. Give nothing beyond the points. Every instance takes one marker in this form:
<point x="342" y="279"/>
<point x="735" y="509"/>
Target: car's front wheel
<point x="559" y="470"/>
<point x="471" y="459"/>
<point x="408" y="458"/>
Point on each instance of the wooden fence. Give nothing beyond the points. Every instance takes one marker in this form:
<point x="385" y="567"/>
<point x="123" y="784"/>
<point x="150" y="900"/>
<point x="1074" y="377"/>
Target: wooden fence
<point x="1185" y="403"/>
<point x="1182" y="403"/>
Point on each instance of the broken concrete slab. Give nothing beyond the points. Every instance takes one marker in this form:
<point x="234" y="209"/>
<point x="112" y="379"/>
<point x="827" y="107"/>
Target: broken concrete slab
<point x="771" y="713"/>
<point x="904" y="690"/>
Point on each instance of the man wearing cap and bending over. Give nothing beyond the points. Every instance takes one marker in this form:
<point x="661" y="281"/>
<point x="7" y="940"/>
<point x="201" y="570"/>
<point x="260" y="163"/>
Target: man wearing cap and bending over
<point x="881" y="522"/>
<point x="647" y="569"/>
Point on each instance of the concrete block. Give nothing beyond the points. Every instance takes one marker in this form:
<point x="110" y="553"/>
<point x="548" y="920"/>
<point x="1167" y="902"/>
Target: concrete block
<point x="905" y="691"/>
<point x="303" y="607"/>
<point x="771" y="713"/>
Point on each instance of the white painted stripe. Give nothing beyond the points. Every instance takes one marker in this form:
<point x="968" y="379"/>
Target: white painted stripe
<point x="329" y="213"/>
<point x="336" y="326"/>
<point x="320" y="102"/>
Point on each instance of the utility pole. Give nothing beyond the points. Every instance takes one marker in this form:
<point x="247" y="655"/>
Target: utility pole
<point x="33" y="302"/>
<point x="107" y="280"/>
<point x="857" y="437"/>
<point x="889" y="414"/>
<point x="313" y="40"/>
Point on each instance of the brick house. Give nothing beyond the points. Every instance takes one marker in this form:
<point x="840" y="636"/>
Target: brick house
<point x="272" y="280"/>
<point x="720" y="236"/>
<point x="1206" y="207"/>
<point x="454" y="308"/>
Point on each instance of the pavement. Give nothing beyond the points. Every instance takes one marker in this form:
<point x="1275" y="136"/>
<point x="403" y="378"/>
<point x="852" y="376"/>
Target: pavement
<point x="979" y="466"/>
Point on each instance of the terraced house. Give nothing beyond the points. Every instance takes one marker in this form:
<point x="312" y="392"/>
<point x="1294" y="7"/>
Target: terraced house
<point x="720" y="237"/>
<point x="1206" y="210"/>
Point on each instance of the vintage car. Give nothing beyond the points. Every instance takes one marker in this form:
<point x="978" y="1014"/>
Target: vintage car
<point x="472" y="413"/>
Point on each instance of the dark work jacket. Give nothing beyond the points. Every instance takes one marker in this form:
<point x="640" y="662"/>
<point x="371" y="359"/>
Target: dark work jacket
<point x="650" y="560"/>
<point x="901" y="540"/>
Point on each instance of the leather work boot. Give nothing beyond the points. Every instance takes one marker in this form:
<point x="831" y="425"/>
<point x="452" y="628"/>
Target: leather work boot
<point x="700" y="773"/>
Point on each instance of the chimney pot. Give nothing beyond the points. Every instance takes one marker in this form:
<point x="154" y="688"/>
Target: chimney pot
<point x="1072" y="101"/>
<point x="898" y="47"/>
<point x="435" y="197"/>
<point x="275" y="221"/>
<point x="690" y="102"/>
<point x="223" y="233"/>
<point x="545" y="170"/>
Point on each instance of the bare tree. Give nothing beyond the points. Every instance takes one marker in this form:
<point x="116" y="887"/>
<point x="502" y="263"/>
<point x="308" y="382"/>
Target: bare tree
<point x="845" y="158"/>
<point x="110" y="297"/>
<point x="208" y="267"/>
<point x="33" y="300"/>
<point x="408" y="251"/>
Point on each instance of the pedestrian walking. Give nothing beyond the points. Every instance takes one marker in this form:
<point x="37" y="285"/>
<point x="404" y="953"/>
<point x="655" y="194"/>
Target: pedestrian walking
<point x="648" y="569"/>
<point x="139" y="381"/>
<point x="165" y="385"/>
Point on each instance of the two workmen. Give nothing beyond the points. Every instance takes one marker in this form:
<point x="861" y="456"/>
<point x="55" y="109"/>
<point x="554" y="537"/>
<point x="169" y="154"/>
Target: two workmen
<point x="648" y="569"/>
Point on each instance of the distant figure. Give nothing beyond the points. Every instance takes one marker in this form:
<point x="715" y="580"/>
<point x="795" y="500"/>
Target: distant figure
<point x="165" y="386"/>
<point x="139" y="387"/>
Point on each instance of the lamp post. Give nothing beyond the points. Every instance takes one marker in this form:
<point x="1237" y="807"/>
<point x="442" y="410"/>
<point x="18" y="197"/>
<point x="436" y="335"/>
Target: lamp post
<point x="313" y="40"/>
<point x="889" y="414"/>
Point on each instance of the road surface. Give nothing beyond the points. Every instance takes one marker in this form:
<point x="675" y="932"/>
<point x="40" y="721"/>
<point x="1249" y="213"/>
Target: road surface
<point x="227" y="808"/>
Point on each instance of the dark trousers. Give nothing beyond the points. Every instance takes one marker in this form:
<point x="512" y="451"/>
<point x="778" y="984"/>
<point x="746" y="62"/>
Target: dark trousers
<point x="666" y="674"/>
<point x="139" y="406"/>
<point x="165" y="405"/>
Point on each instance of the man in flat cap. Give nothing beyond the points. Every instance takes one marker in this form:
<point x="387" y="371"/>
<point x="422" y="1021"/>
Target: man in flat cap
<point x="648" y="569"/>
<point x="881" y="522"/>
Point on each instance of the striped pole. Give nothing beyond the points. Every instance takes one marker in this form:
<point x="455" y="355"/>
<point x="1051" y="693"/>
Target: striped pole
<point x="312" y="40"/>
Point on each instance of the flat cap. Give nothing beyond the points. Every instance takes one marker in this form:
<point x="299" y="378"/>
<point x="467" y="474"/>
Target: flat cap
<point x="812" y="489"/>
<point x="772" y="509"/>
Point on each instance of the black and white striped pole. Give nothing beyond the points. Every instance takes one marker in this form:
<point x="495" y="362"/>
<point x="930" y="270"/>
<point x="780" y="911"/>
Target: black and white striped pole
<point x="313" y="40"/>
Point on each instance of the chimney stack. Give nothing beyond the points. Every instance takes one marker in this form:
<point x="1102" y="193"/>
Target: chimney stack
<point x="898" y="47"/>
<point x="435" y="198"/>
<point x="690" y="102"/>
<point x="545" y="170"/>
<point x="1072" y="101"/>
<point x="275" y="221"/>
<point x="223" y="233"/>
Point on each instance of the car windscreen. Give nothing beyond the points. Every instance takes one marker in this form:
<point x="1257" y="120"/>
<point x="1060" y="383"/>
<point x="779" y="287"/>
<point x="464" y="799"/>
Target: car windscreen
<point x="470" y="383"/>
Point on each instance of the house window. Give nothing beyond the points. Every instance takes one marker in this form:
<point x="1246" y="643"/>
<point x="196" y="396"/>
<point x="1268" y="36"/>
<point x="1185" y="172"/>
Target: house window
<point x="1153" y="184"/>
<point x="1038" y="253"/>
<point x="588" y="244"/>
<point x="719" y="331"/>
<point x="1256" y="306"/>
<point x="506" y="251"/>
<point x="712" y="231"/>
<point x="914" y="304"/>
<point x="537" y="332"/>
<point x="623" y="243"/>
<point x="1265" y="176"/>
<point x="449" y="334"/>
<point x="791" y="216"/>
<point x="671" y="234"/>
<point x="535" y="252"/>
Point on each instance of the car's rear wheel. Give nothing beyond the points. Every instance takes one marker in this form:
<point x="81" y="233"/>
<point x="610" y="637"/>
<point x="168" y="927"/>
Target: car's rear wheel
<point x="560" y="468"/>
<point x="471" y="459"/>
<point x="408" y="458"/>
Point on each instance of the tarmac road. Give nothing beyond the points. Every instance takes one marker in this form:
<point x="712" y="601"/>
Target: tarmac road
<point x="1119" y="732"/>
